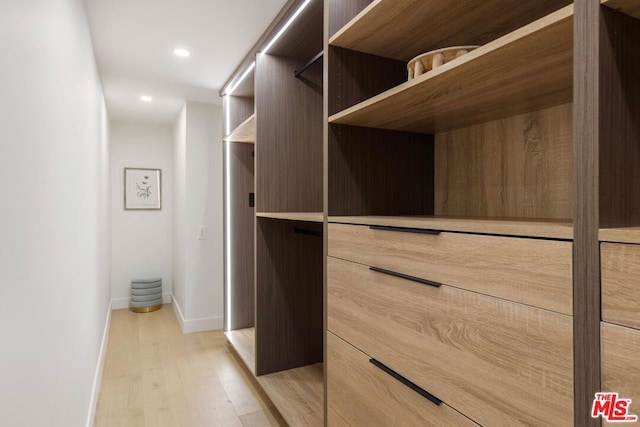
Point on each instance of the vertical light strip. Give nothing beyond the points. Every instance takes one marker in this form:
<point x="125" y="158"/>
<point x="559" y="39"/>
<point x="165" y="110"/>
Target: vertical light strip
<point x="227" y="204"/>
<point x="227" y="168"/>
<point x="286" y="26"/>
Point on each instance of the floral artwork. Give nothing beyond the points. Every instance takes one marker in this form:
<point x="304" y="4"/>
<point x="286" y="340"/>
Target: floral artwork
<point x="142" y="189"/>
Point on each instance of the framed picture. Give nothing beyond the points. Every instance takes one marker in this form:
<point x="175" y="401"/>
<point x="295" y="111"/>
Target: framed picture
<point x="142" y="189"/>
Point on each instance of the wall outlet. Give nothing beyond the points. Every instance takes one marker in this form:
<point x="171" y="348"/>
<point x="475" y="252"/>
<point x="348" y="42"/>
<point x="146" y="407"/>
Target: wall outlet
<point x="202" y="235"/>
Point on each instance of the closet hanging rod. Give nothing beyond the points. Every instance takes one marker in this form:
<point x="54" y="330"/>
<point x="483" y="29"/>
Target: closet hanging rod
<point x="308" y="64"/>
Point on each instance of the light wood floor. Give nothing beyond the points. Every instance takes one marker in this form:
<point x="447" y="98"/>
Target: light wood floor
<point x="156" y="376"/>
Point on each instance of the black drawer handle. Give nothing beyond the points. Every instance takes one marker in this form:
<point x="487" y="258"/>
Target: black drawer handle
<point x="422" y="392"/>
<point x="406" y="277"/>
<point x="405" y="229"/>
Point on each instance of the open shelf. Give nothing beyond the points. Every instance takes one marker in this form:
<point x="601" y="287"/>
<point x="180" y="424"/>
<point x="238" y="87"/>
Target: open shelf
<point x="243" y="342"/>
<point x="396" y="28"/>
<point x="298" y="394"/>
<point x="628" y="7"/>
<point x="620" y="235"/>
<point x="526" y="70"/>
<point x="553" y="229"/>
<point x="245" y="132"/>
<point x="293" y="216"/>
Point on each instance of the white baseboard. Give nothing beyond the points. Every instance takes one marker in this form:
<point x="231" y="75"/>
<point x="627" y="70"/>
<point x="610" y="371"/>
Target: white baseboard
<point x="120" y="303"/>
<point x="195" y="325"/>
<point x="97" y="378"/>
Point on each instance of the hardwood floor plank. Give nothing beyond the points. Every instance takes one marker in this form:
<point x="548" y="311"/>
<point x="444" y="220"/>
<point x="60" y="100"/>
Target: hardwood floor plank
<point x="156" y="376"/>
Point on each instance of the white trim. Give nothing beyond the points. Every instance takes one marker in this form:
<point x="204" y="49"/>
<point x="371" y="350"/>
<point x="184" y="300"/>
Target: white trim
<point x="177" y="312"/>
<point x="97" y="378"/>
<point x="120" y="303"/>
<point x="195" y="325"/>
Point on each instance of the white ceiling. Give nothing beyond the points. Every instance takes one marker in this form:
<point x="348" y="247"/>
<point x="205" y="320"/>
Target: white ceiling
<point x="134" y="41"/>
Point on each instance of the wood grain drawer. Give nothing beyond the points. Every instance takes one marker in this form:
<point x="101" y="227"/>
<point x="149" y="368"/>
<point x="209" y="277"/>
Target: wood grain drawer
<point x="620" y="362"/>
<point x="359" y="393"/>
<point x="531" y="271"/>
<point x="621" y="284"/>
<point x="498" y="362"/>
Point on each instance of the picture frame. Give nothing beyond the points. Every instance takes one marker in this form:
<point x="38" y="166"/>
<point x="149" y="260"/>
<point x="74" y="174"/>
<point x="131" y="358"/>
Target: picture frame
<point x="142" y="189"/>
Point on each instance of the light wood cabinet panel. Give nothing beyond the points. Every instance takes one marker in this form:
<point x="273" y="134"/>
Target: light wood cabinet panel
<point x="361" y="394"/>
<point x="620" y="367"/>
<point x="620" y="286"/>
<point x="530" y="271"/>
<point x="518" y="167"/>
<point x="498" y="362"/>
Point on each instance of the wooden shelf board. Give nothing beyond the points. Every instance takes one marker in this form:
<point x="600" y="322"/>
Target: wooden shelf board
<point x="403" y="29"/>
<point x="620" y="235"/>
<point x="243" y="342"/>
<point x="628" y="7"/>
<point x="245" y="132"/>
<point x="526" y="70"/>
<point x="298" y="394"/>
<point x="294" y="216"/>
<point x="553" y="229"/>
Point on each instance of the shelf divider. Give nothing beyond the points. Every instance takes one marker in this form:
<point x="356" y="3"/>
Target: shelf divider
<point x="245" y="132"/>
<point x="293" y="216"/>
<point x="620" y="235"/>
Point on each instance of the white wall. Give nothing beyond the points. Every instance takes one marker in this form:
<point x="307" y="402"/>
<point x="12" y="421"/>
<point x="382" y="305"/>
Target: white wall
<point x="198" y="277"/>
<point x="180" y="210"/>
<point x="205" y="209"/>
<point x="54" y="220"/>
<point x="141" y="240"/>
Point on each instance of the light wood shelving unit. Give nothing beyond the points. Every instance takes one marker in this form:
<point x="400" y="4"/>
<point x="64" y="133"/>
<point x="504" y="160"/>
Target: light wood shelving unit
<point x="245" y="132"/>
<point x="275" y="320"/>
<point x="480" y="149"/>
<point x="527" y="142"/>
<point x="489" y="83"/>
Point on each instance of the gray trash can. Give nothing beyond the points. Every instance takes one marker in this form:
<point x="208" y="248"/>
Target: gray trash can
<point x="146" y="294"/>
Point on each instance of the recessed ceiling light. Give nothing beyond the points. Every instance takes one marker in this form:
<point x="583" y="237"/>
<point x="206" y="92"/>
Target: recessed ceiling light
<point x="182" y="53"/>
<point x="146" y="98"/>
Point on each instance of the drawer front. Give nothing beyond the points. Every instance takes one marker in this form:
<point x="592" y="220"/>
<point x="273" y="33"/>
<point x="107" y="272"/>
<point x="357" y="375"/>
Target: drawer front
<point x="620" y="363"/>
<point x="531" y="271"/>
<point x="498" y="362"/>
<point x="361" y="394"/>
<point x="621" y="284"/>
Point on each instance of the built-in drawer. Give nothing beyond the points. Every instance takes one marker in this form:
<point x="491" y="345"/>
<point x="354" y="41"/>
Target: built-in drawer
<point x="361" y="393"/>
<point x="621" y="284"/>
<point x="498" y="362"/>
<point x="531" y="271"/>
<point x="621" y="363"/>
